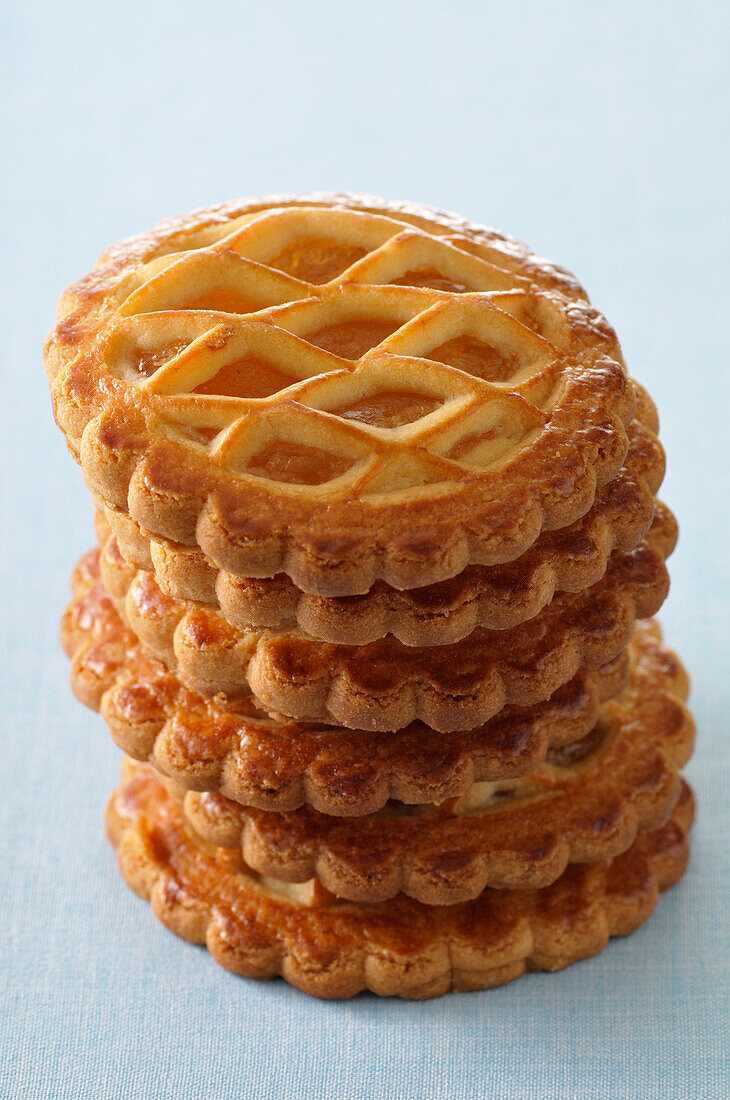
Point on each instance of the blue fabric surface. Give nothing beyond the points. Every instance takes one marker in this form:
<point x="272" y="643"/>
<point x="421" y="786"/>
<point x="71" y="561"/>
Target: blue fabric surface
<point x="598" y="134"/>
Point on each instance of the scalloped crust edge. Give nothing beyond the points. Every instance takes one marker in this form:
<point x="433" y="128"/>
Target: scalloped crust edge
<point x="150" y="484"/>
<point x="295" y="676"/>
<point x="153" y="718"/>
<point x="400" y="948"/>
<point x="490" y="600"/>
<point x="122" y="466"/>
<point x="518" y="846"/>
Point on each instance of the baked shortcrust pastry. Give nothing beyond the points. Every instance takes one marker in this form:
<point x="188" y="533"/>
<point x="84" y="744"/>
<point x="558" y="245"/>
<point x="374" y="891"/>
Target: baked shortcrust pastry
<point x="495" y="597"/>
<point x="263" y="927"/>
<point x="279" y="764"/>
<point x="338" y="389"/>
<point x="386" y="685"/>
<point x="380" y="544"/>
<point x="585" y="802"/>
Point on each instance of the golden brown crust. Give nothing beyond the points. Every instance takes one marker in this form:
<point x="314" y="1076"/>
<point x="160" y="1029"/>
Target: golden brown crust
<point x="414" y="505"/>
<point x="491" y="597"/>
<point x="399" y="948"/>
<point x="279" y="765"/>
<point x="386" y="685"/>
<point x="585" y="803"/>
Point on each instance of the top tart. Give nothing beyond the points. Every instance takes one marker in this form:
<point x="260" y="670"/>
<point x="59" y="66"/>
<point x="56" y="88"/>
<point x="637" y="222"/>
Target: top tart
<point x="340" y="389"/>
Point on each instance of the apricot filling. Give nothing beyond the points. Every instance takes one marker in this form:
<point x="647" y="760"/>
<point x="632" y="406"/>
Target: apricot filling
<point x="351" y="339"/>
<point x="316" y="261"/>
<point x="389" y="409"/>
<point x="430" y="279"/>
<point x="223" y="299"/>
<point x="246" y="377"/>
<point x="147" y="362"/>
<point x="297" y="463"/>
<point x="476" y="358"/>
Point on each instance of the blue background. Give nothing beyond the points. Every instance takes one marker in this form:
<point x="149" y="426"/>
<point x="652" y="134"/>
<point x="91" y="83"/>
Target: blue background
<point x="597" y="133"/>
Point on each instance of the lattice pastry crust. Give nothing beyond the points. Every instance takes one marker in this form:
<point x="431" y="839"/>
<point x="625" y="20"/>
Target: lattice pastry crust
<point x="386" y="685"/>
<point x="584" y="803"/>
<point x="274" y="764"/>
<point x="495" y="597"/>
<point x="263" y="928"/>
<point x="339" y="390"/>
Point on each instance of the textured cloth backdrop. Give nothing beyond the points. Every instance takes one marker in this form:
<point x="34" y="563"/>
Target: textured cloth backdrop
<point x="598" y="134"/>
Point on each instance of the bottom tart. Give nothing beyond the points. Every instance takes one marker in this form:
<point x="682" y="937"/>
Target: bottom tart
<point x="261" y="927"/>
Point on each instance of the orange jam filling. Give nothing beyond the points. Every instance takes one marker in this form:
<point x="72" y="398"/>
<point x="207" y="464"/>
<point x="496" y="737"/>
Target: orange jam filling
<point x="316" y="261"/>
<point x="477" y="358"/>
<point x="351" y="339"/>
<point x="223" y="300"/>
<point x="390" y="409"/>
<point x="431" y="279"/>
<point x="246" y="377"/>
<point x="147" y="362"/>
<point x="297" y="463"/>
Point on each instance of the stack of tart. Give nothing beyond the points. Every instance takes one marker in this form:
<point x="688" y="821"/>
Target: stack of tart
<point x="370" y="609"/>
